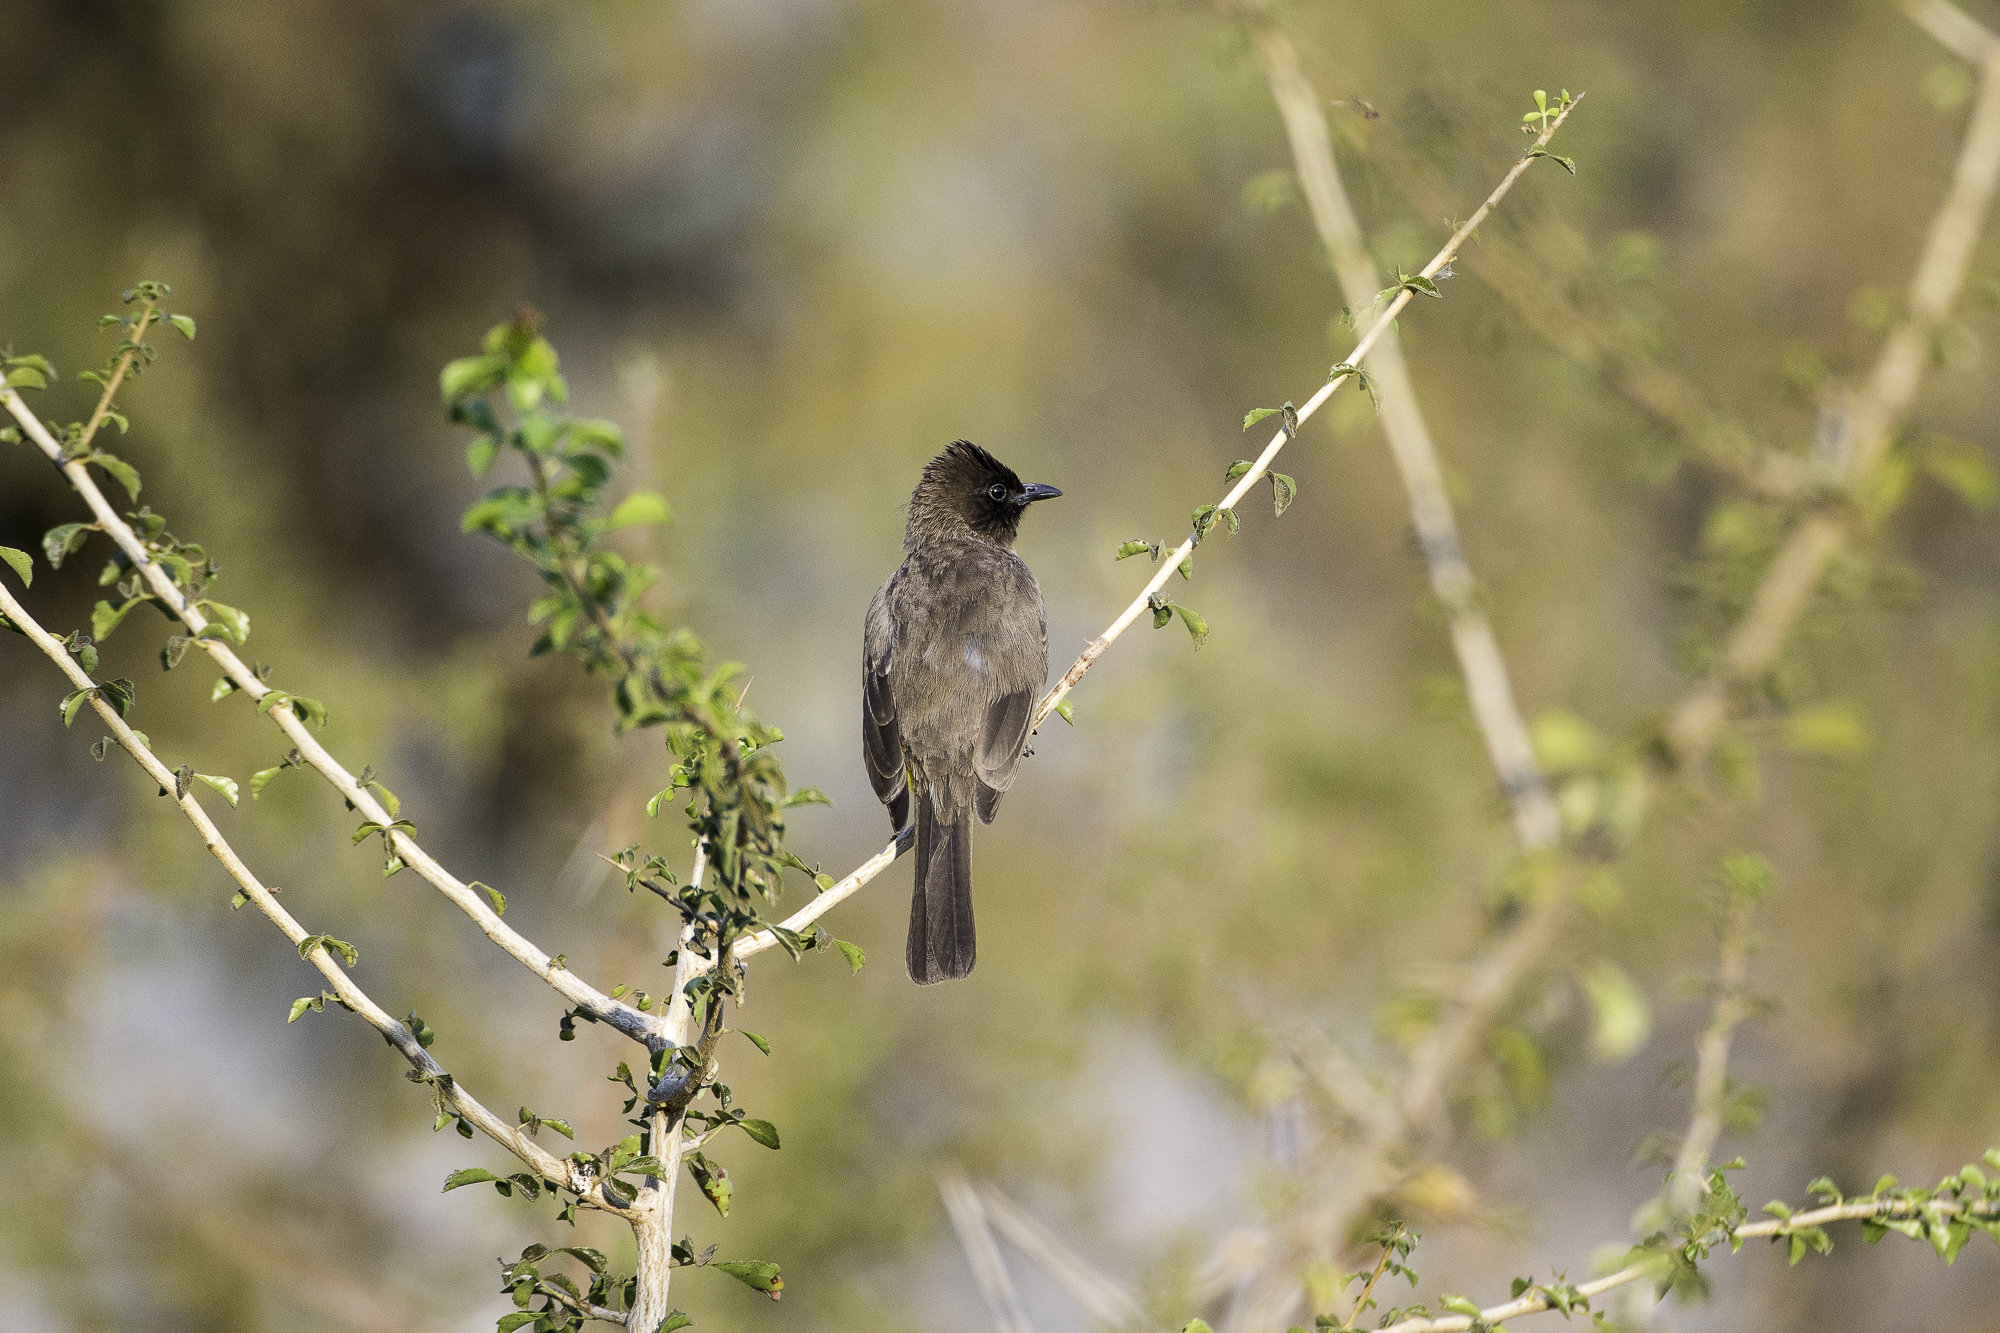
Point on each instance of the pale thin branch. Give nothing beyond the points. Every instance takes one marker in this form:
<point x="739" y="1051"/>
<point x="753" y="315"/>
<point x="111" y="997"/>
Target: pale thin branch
<point x="447" y="1088"/>
<point x="1534" y="1303"/>
<point x="1396" y="1124"/>
<point x="1095" y="1292"/>
<point x="1864" y="423"/>
<point x="1711" y="1079"/>
<point x="1492" y="694"/>
<point x="623" y="1017"/>
<point x="1569" y="310"/>
<point x="968" y="1219"/>
<point x="825" y="902"/>
<point x="1368" y="343"/>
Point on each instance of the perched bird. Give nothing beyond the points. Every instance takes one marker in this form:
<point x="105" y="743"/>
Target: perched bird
<point x="955" y="651"/>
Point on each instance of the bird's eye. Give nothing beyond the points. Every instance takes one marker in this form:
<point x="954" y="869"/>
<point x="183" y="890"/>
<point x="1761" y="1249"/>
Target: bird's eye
<point x="996" y="491"/>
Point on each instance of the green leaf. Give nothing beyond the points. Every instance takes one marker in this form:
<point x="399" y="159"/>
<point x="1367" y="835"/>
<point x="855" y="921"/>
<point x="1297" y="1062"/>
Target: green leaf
<point x="63" y="539"/>
<point x="1567" y="164"/>
<point x="1197" y="1326"/>
<point x="1831" y="730"/>
<point x="232" y="624"/>
<point x="853" y="954"/>
<point x="183" y="323"/>
<point x="21" y="563"/>
<point x="348" y="952"/>
<point x="756" y="1041"/>
<point x="1965" y="469"/>
<point x="305" y="1003"/>
<point x="173" y="651"/>
<point x="1067" y="712"/>
<point x="227" y="786"/>
<point x="1283" y="489"/>
<point x="480" y="454"/>
<point x="712" y="1180"/>
<point x="469" y="375"/>
<point x="74" y="701"/>
<point x="224" y="687"/>
<point x="636" y="508"/>
<point x="126" y="474"/>
<point x="674" y="1320"/>
<point x="1133" y="548"/>
<point x="1621" y="1019"/>
<point x="805" y="796"/>
<point x="509" y="1322"/>
<point x="1197" y="628"/>
<point x="119" y="694"/>
<point x="26" y="377"/>
<point x="499" y="898"/>
<point x="1237" y="469"/>
<point x="471" y="1175"/>
<point x="1458" y="1305"/>
<point x="1257" y="414"/>
<point x="763" y="1131"/>
<point x="105" y="617"/>
<point x="754" y="1273"/>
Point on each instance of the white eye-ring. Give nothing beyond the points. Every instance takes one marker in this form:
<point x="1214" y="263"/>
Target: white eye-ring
<point x="997" y="491"/>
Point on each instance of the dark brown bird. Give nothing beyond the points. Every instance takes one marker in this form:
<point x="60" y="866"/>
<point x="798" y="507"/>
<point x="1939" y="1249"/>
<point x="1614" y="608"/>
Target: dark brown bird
<point x="955" y="651"/>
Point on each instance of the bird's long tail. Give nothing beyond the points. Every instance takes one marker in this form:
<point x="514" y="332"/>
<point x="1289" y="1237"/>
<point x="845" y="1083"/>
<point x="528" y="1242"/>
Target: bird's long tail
<point x="941" y="942"/>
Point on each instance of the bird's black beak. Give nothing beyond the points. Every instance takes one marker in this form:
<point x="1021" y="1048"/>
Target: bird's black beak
<point x="1037" y="491"/>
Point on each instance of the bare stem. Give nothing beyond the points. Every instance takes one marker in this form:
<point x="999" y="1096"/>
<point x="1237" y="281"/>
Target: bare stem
<point x="1711" y="1079"/>
<point x="968" y="1219"/>
<point x="118" y="373"/>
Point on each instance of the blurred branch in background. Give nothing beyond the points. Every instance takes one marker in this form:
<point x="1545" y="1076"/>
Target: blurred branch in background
<point x="1398" y="1127"/>
<point x="1856" y="429"/>
<point x="1746" y="881"/>
<point x="968" y="1219"/>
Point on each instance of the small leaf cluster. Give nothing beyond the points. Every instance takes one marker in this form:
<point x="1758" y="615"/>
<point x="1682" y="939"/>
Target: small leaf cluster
<point x="723" y="755"/>
<point x="565" y="1306"/>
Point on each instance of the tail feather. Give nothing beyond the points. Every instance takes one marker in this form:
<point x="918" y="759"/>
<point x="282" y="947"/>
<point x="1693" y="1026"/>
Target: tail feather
<point x="941" y="942"/>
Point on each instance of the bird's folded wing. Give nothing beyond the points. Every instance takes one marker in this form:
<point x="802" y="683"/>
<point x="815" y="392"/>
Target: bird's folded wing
<point x="1001" y="740"/>
<point x="881" y="738"/>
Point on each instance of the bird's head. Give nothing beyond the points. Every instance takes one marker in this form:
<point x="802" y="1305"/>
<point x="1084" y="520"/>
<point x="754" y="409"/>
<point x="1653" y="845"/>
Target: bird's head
<point x="966" y="487"/>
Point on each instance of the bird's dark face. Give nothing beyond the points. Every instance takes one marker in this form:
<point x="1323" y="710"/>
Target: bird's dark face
<point x="978" y="489"/>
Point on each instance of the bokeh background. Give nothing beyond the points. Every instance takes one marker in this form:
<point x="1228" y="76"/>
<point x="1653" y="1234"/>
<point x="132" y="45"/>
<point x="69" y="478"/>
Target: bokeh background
<point x="795" y="246"/>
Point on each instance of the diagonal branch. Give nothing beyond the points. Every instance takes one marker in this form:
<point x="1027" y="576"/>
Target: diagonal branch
<point x="1377" y="333"/>
<point x="1711" y="1077"/>
<point x="1491" y="693"/>
<point x="446" y="1088"/>
<point x="968" y="1218"/>
<point x="1861" y="426"/>
<point x="640" y="1027"/>
<point x="1104" y="1298"/>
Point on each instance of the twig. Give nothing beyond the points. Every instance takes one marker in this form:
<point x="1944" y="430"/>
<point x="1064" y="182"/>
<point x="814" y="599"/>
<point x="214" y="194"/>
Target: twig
<point x="1711" y="1079"/>
<point x="1573" y="315"/>
<point x="1534" y="1302"/>
<point x="1487" y="684"/>
<point x="1095" y="1292"/>
<point x="443" y="1085"/>
<point x="968" y="1218"/>
<point x="1864" y="422"/>
<point x="1376" y="333"/>
<point x="626" y="1019"/>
